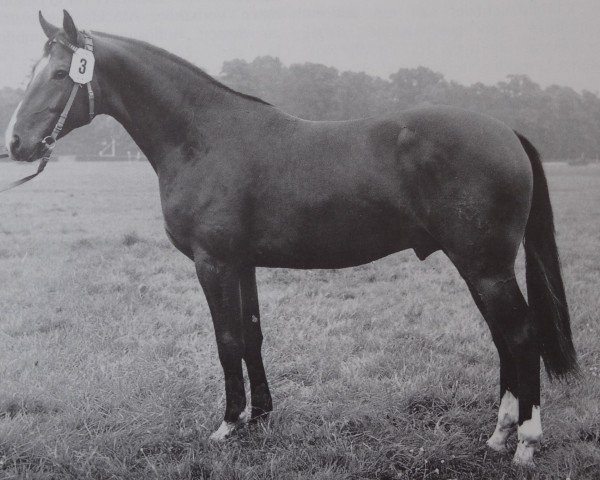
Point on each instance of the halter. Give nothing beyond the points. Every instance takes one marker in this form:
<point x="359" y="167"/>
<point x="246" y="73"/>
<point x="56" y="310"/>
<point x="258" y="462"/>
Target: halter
<point x="49" y="142"/>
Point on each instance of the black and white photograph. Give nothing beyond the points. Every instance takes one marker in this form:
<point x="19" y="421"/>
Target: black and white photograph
<point x="304" y="240"/>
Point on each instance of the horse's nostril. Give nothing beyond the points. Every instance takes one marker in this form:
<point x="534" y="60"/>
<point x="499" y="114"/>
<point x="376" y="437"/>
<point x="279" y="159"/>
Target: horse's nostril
<point x="15" y="142"/>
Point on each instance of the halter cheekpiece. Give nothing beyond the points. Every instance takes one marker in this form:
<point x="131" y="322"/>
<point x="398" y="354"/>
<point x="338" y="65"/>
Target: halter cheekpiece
<point x="88" y="45"/>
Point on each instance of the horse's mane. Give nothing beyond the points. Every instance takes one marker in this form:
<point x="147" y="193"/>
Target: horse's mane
<point x="181" y="62"/>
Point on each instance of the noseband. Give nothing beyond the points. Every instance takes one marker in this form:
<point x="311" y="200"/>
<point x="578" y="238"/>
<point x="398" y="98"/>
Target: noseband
<point x="76" y="74"/>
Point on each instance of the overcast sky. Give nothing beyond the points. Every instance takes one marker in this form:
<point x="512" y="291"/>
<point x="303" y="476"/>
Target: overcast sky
<point x="552" y="41"/>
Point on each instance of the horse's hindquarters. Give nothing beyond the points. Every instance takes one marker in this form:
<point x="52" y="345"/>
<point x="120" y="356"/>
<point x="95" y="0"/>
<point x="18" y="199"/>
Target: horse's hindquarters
<point x="470" y="182"/>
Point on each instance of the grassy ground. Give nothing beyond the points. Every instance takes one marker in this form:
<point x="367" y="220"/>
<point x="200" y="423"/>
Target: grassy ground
<point x="108" y="367"/>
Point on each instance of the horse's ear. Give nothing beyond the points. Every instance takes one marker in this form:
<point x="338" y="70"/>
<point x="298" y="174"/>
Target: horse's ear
<point x="69" y="27"/>
<point x="49" y="29"/>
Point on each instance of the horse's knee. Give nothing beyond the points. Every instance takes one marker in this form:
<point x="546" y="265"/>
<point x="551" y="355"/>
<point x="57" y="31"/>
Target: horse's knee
<point x="230" y="348"/>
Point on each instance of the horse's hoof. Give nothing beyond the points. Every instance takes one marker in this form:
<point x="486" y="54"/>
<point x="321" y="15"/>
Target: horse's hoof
<point x="222" y="432"/>
<point x="497" y="444"/>
<point x="227" y="428"/>
<point x="524" y="455"/>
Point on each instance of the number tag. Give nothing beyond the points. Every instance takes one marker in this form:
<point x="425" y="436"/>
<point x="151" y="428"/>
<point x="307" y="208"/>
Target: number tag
<point x="82" y="66"/>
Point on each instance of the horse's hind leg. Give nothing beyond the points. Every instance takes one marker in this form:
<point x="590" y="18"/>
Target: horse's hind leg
<point x="259" y="389"/>
<point x="508" y="412"/>
<point x="513" y="329"/>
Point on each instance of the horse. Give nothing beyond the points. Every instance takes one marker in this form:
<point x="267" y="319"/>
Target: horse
<point x="245" y="185"/>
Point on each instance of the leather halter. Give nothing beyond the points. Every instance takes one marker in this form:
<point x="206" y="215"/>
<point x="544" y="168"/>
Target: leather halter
<point x="49" y="142"/>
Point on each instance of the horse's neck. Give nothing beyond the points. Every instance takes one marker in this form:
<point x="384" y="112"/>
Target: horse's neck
<point x="162" y="103"/>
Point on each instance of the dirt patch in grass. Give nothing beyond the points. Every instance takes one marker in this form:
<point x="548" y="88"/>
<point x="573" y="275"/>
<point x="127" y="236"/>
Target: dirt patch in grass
<point x="131" y="238"/>
<point x="16" y="407"/>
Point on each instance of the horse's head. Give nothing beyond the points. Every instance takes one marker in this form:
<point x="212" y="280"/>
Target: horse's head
<point x="47" y="94"/>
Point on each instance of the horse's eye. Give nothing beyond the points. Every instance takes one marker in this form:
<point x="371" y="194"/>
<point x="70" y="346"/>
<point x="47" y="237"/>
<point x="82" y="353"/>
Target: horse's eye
<point x="59" y="74"/>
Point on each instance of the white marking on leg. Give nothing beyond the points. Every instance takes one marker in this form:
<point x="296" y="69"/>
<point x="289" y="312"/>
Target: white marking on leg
<point x="11" y="125"/>
<point x="226" y="428"/>
<point x="222" y="432"/>
<point x="40" y="66"/>
<point x="244" y="417"/>
<point x="508" y="416"/>
<point x="529" y="436"/>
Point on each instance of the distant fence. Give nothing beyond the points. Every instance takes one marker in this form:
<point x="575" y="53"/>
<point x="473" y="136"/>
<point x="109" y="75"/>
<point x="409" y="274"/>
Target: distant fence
<point x="116" y="158"/>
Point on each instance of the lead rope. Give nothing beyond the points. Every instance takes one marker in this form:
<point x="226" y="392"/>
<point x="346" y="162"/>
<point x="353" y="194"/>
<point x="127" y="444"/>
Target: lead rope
<point x="50" y="141"/>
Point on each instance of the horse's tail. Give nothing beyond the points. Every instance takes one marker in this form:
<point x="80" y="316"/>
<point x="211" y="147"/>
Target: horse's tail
<point x="545" y="289"/>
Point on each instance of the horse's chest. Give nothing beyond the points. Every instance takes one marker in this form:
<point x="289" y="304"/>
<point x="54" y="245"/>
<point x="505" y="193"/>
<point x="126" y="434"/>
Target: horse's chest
<point x="198" y="219"/>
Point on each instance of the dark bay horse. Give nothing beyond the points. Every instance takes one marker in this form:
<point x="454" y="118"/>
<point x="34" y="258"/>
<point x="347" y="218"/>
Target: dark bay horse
<point x="245" y="185"/>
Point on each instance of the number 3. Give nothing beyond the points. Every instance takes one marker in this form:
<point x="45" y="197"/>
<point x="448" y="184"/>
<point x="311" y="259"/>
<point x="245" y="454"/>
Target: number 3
<point x="83" y="62"/>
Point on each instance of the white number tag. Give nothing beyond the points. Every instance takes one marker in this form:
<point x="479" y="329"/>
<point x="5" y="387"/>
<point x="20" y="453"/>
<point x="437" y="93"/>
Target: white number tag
<point x="82" y="66"/>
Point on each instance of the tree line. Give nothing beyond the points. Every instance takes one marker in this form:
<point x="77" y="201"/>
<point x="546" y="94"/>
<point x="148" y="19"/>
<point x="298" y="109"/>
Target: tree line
<point x="561" y="122"/>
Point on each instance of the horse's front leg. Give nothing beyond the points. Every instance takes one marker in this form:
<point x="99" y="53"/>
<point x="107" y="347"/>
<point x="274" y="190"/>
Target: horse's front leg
<point x="221" y="285"/>
<point x="259" y="388"/>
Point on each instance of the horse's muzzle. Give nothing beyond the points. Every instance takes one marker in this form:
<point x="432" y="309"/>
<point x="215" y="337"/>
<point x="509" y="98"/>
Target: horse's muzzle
<point x="22" y="153"/>
<point x="15" y="147"/>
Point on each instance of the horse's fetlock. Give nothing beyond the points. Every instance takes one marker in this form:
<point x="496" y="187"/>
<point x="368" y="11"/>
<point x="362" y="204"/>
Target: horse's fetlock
<point x="530" y="431"/>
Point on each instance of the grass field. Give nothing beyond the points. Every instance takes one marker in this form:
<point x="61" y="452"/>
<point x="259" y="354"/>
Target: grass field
<point x="108" y="365"/>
